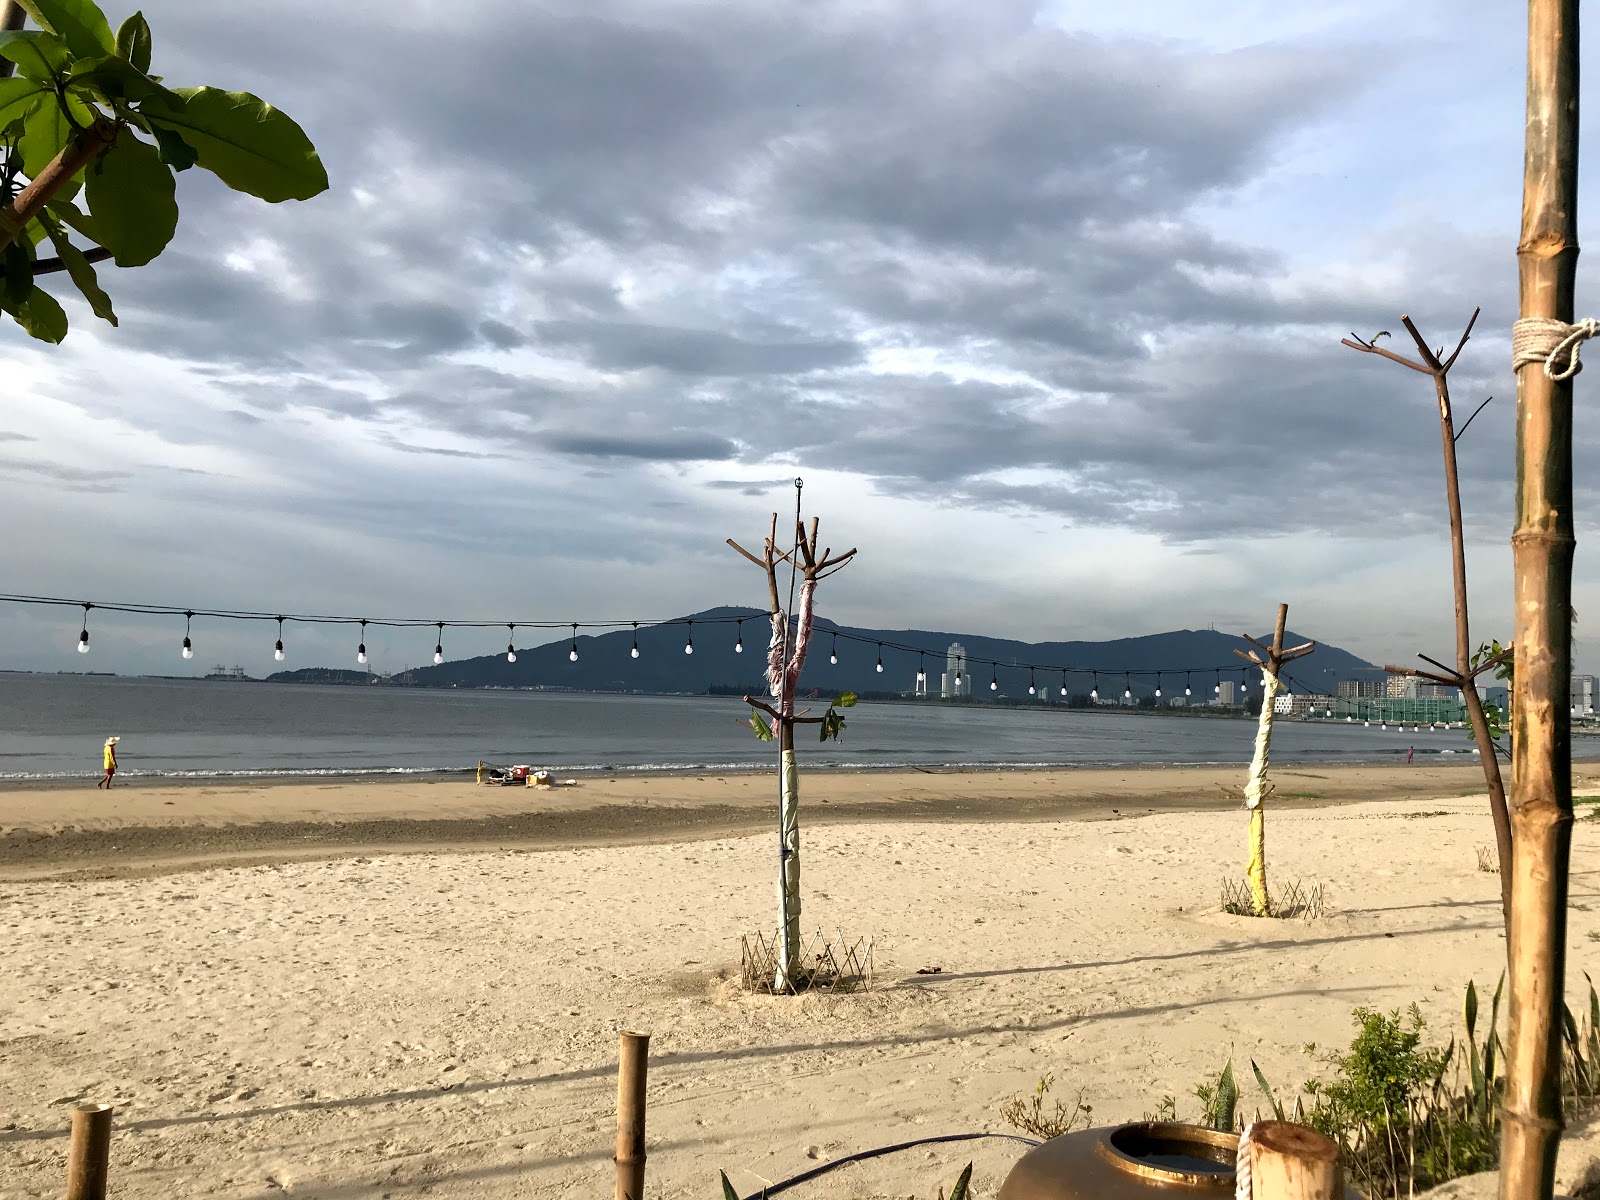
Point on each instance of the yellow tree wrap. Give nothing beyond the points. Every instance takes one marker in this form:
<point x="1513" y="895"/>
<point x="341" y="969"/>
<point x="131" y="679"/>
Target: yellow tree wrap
<point x="1255" y="792"/>
<point x="789" y="877"/>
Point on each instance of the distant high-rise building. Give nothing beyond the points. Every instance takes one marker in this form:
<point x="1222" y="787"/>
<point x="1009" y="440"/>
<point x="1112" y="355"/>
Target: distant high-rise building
<point x="1583" y="694"/>
<point x="1402" y="687"/>
<point x="956" y="680"/>
<point x="1362" y="689"/>
<point x="1225" y="692"/>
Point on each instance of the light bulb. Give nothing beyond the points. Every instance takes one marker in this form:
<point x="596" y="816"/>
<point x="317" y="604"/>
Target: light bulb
<point x="572" y="655"/>
<point x="1158" y="693"/>
<point x="880" y="666"/>
<point x="634" y="653"/>
<point x="438" y="655"/>
<point x="993" y="684"/>
<point x="361" y="654"/>
<point x="738" y="647"/>
<point x="833" y="659"/>
<point x="1216" y="689"/>
<point x="958" y="678"/>
<point x="1187" y="692"/>
<point x="511" y="652"/>
<point x="922" y="676"/>
<point x="1094" y="693"/>
<point x="188" y="649"/>
<point x="1032" y="691"/>
<point x="1127" y="692"/>
<point x="688" y="646"/>
<point x="277" y="651"/>
<point x="1063" y="689"/>
<point x="83" y="642"/>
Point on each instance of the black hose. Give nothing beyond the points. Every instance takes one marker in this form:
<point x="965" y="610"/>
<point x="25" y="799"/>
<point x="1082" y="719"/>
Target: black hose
<point x="861" y="1156"/>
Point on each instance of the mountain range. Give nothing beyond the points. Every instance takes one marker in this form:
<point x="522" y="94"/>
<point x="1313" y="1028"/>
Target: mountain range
<point x="605" y="662"/>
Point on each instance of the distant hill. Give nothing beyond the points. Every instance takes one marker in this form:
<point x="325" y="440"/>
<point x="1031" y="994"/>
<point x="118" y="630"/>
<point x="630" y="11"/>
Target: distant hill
<point x="605" y="664"/>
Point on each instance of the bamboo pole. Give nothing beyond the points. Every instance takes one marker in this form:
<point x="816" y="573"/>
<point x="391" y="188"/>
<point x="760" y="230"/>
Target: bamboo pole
<point x="632" y="1062"/>
<point x="1542" y="549"/>
<point x="89" y="1156"/>
<point x="1291" y="1162"/>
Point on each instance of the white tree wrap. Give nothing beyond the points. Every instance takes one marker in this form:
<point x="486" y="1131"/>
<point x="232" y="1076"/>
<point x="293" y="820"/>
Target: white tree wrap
<point x="1256" y="785"/>
<point x="789" y="875"/>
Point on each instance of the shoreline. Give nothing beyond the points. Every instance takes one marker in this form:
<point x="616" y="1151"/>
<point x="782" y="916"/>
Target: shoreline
<point x="175" y="826"/>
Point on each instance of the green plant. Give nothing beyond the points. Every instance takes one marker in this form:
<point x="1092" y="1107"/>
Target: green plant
<point x="72" y="119"/>
<point x="1219" y="1100"/>
<point x="1028" y="1113"/>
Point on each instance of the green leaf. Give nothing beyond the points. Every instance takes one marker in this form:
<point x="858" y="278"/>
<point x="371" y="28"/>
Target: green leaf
<point x="133" y="41"/>
<point x="69" y="214"/>
<point x="727" y="1188"/>
<point x="1472" y="1009"/>
<point x="132" y="196"/>
<point x="1227" y="1098"/>
<point x="763" y="731"/>
<point x="244" y="141"/>
<point x="116" y="79"/>
<point x="17" y="98"/>
<point x="175" y="152"/>
<point x="1266" y="1090"/>
<point x="81" y="271"/>
<point x="959" y="1192"/>
<point x="79" y="23"/>
<point x="40" y="316"/>
<point x="47" y="131"/>
<point x="39" y="56"/>
<point x="16" y="282"/>
<point x="847" y="700"/>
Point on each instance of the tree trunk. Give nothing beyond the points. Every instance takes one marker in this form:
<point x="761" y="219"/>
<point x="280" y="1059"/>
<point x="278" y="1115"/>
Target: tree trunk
<point x="1542" y="549"/>
<point x="786" y="978"/>
<point x="1254" y="794"/>
<point x="1469" y="694"/>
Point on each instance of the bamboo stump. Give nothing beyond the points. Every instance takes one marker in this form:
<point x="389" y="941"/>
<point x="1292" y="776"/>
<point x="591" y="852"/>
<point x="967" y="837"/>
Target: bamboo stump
<point x="89" y="1157"/>
<point x="631" y="1067"/>
<point x="1291" y="1162"/>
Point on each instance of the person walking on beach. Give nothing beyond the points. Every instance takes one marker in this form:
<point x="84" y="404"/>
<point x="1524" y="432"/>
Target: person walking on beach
<point x="111" y="762"/>
<point x="1410" y="751"/>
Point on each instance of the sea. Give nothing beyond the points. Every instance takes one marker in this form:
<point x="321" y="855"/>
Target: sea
<point x="53" y="727"/>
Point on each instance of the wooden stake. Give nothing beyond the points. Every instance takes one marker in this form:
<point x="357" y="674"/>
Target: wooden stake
<point x="1542" y="548"/>
<point x="632" y="1057"/>
<point x="89" y="1157"/>
<point x="1291" y="1162"/>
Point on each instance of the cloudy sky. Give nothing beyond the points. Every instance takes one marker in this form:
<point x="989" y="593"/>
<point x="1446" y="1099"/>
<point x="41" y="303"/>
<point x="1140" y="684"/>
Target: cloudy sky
<point x="1042" y="301"/>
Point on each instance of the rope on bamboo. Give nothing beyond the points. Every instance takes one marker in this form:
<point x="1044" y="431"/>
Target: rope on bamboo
<point x="1241" y="1190"/>
<point x="1550" y="341"/>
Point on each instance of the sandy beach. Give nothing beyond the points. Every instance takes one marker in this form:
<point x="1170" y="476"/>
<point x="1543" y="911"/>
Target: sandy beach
<point x="425" y="999"/>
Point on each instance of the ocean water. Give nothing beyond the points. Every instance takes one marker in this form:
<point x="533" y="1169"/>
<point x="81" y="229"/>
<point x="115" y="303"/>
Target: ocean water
<point x="53" y="726"/>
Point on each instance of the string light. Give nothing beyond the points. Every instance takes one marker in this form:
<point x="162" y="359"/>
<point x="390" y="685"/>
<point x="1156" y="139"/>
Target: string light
<point x="511" y="641"/>
<point x="1063" y="682"/>
<point x="83" y="635"/>
<point x="277" y="649"/>
<point x="922" y="673"/>
<point x="738" y="646"/>
<point x="188" y="646"/>
<point x="994" y="680"/>
<point x="880" y="663"/>
<point x="438" y="648"/>
<point x="1127" y="688"/>
<point x="361" y="647"/>
<point x="1032" y="690"/>
<point x="834" y="657"/>
<point x="634" y="653"/>
<point x="1158" y="685"/>
<point x="1187" y="690"/>
<point x="1094" y="692"/>
<point x="572" y="653"/>
<point x="688" y="645"/>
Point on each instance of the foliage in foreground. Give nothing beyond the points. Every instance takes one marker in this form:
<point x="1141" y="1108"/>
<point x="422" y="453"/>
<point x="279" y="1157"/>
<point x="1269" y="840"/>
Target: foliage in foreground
<point x="71" y="120"/>
<point x="1407" y="1116"/>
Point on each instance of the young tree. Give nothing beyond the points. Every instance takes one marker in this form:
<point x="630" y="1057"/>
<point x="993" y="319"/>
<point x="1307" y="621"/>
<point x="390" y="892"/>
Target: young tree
<point x="786" y="656"/>
<point x="1255" y="791"/>
<point x="81" y="117"/>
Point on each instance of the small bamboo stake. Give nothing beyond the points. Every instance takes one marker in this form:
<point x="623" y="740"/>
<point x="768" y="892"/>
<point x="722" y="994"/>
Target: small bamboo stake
<point x="1291" y="1162"/>
<point x="1255" y="790"/>
<point x="1542" y="549"/>
<point x="89" y="1157"/>
<point x="632" y="1062"/>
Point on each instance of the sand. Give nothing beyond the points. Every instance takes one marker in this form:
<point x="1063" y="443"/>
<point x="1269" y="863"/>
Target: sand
<point x="443" y="1021"/>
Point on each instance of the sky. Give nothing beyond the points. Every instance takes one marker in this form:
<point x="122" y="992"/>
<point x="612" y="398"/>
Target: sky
<point x="1043" y="303"/>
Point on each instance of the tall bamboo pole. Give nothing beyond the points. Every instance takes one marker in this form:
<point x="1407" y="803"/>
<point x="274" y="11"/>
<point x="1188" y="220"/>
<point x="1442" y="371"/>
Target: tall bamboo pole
<point x="1542" y="548"/>
<point x="633" y="1051"/>
<point x="89" y="1153"/>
